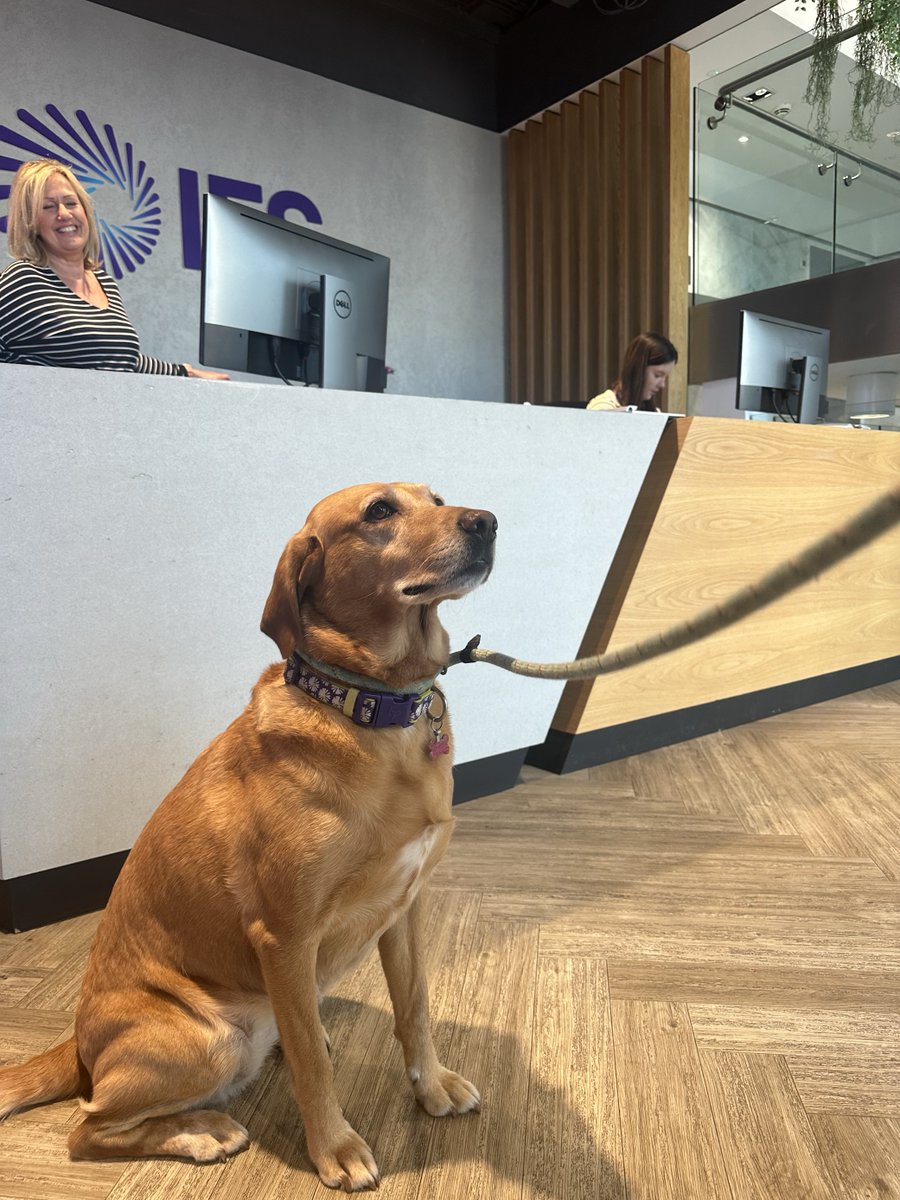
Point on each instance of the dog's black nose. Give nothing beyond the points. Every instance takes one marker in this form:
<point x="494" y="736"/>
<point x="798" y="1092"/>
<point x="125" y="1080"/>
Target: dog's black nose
<point x="480" y="523"/>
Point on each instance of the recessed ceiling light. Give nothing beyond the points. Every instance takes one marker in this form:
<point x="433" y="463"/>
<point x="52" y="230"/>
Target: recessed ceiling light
<point x="743" y="138"/>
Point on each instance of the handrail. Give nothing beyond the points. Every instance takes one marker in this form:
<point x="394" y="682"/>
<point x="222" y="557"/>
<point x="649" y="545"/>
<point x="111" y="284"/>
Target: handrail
<point x="727" y="89"/>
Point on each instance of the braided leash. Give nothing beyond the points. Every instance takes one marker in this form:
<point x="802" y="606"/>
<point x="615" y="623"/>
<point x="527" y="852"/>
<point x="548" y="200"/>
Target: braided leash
<point x="862" y="529"/>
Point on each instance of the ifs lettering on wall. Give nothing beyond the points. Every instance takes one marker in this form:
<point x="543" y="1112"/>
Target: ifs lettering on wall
<point x="127" y="207"/>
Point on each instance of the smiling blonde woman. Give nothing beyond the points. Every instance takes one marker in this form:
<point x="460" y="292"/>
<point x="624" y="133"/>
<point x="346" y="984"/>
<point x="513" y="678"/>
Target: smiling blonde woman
<point x="58" y="307"/>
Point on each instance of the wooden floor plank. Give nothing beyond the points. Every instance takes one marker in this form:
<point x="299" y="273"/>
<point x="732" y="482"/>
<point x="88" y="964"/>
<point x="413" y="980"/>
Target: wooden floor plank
<point x="683" y="771"/>
<point x="25" y="1032"/>
<point x="17" y="982"/>
<point x="733" y="770"/>
<point x="381" y="1104"/>
<point x="50" y="945"/>
<point x="573" y="1144"/>
<point x="873" y="814"/>
<point x="39" y="1169"/>
<point x="862" y="1155"/>
<point x="669" y="1140"/>
<point x="752" y="985"/>
<point x="841" y="1060"/>
<point x="782" y="1030"/>
<point x="482" y="1155"/>
<point x="777" y="942"/>
<point x="764" y="1131"/>
<point x="864" y="1083"/>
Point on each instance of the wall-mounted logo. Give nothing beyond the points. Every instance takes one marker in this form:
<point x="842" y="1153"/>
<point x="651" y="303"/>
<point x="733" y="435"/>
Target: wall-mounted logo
<point x="190" y="190"/>
<point x="343" y="305"/>
<point x="126" y="205"/>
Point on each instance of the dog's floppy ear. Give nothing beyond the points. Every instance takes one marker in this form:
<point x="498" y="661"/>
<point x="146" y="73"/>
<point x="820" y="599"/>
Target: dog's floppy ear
<point x="298" y="568"/>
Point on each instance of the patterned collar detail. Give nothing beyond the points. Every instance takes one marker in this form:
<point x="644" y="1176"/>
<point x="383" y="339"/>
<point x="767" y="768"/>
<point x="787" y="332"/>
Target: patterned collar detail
<point x="376" y="709"/>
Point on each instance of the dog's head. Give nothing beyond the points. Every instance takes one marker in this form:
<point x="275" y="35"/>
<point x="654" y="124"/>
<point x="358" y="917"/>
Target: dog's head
<point x="358" y="586"/>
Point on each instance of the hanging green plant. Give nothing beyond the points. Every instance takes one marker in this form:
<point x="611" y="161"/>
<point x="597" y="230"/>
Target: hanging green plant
<point x="877" y="25"/>
<point x="877" y="63"/>
<point x="826" y="31"/>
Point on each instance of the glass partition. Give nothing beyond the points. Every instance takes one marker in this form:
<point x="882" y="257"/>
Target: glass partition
<point x="774" y="204"/>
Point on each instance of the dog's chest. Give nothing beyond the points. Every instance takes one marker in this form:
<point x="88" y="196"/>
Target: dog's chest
<point x="408" y="872"/>
<point x="387" y="891"/>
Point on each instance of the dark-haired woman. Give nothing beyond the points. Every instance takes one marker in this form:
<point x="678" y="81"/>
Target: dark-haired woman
<point x="646" y="368"/>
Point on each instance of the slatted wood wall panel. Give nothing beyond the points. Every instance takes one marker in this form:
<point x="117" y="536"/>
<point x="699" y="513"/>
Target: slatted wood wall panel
<point x="597" y="212"/>
<point x="677" y="88"/>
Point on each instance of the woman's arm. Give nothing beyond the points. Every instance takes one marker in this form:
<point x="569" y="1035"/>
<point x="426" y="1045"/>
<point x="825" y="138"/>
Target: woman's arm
<point x="147" y="365"/>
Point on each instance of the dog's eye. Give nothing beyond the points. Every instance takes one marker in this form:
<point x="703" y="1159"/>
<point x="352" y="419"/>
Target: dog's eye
<point x="379" y="510"/>
<point x="438" y="501"/>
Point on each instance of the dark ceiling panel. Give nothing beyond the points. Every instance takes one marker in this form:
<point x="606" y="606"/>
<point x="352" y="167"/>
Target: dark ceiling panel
<point x="427" y="55"/>
<point x="491" y="63"/>
<point x="560" y="50"/>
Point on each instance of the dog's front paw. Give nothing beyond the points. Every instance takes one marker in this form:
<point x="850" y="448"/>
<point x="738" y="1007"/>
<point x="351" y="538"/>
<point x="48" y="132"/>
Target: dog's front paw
<point x="346" y="1163"/>
<point x="446" y="1094"/>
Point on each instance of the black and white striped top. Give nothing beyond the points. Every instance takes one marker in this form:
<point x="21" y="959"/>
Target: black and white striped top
<point x="43" y="322"/>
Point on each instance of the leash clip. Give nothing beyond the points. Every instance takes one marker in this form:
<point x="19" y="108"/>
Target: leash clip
<point x="467" y="652"/>
<point x="464" y="655"/>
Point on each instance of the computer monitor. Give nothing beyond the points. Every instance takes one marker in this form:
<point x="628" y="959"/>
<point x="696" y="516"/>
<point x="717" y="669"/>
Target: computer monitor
<point x="285" y="300"/>
<point x="782" y="367"/>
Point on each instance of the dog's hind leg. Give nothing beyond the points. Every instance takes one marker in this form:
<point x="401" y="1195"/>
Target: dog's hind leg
<point x="204" y="1135"/>
<point x="151" y="1084"/>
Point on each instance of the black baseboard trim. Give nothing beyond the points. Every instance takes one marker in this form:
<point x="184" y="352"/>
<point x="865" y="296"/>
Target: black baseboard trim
<point x="487" y="776"/>
<point x="45" y="897"/>
<point x="565" y="752"/>
<point x="82" y="887"/>
<point x="58" y="893"/>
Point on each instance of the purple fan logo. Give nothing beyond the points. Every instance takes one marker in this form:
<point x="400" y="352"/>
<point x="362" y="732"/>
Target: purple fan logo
<point x="127" y="208"/>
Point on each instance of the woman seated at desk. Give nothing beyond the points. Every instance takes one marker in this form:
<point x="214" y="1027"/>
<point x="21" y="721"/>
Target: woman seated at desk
<point x="58" y="308"/>
<point x="646" y="368"/>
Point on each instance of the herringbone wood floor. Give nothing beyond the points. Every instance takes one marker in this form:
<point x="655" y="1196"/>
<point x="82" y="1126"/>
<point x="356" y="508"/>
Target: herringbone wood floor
<point x="675" y="977"/>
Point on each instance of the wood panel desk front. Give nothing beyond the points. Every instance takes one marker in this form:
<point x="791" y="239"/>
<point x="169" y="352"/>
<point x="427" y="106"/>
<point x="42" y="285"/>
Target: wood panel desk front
<point x="725" y="501"/>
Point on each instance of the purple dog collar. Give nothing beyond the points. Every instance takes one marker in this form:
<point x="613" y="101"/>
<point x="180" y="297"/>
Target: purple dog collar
<point x="375" y="709"/>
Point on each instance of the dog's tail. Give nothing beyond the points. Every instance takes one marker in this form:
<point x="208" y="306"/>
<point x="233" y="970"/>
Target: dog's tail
<point x="57" y="1074"/>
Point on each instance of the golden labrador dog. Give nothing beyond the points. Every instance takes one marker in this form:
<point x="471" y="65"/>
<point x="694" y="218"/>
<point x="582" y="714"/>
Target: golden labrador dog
<point x="298" y="840"/>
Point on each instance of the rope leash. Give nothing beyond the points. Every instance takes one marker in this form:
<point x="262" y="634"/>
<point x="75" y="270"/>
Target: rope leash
<point x="867" y="525"/>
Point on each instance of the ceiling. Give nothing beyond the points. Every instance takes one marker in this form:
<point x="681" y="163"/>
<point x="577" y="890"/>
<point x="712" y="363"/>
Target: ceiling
<point x="494" y="14"/>
<point x="492" y="63"/>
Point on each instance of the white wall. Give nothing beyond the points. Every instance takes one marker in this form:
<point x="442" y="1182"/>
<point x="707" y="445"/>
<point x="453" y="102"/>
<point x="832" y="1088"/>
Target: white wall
<point x="142" y="520"/>
<point x="716" y="398"/>
<point x="420" y="188"/>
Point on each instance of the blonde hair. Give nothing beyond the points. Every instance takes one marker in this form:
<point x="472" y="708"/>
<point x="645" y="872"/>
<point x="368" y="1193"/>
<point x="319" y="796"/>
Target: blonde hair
<point x="25" y="199"/>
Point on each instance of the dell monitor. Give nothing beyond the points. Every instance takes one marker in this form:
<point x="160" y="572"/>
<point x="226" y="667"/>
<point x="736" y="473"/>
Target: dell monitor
<point x="284" y="300"/>
<point x="782" y="368"/>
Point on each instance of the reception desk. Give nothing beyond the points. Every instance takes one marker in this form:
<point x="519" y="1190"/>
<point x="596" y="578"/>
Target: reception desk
<point x="142" y="520"/>
<point x="143" y="516"/>
<point x="724" y="502"/>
